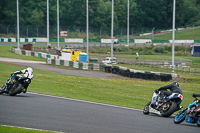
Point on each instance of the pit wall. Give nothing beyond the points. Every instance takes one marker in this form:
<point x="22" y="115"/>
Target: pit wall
<point x="122" y="71"/>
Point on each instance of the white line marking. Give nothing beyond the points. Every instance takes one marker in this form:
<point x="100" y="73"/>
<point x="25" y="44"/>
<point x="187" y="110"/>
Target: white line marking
<point x="85" y="101"/>
<point x="32" y="128"/>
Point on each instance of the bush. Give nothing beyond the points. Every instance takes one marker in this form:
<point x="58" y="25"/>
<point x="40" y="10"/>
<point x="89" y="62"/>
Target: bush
<point x="158" y="49"/>
<point x="122" y="49"/>
<point x="178" y="53"/>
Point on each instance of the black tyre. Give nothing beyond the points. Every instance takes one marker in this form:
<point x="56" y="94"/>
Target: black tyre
<point x="15" y="90"/>
<point x="170" y="110"/>
<point x="146" y="108"/>
<point x="198" y="119"/>
<point x="180" y="117"/>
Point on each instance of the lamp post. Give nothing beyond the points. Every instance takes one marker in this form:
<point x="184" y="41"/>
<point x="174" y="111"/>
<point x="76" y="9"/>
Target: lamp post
<point x="47" y="22"/>
<point x="173" y="35"/>
<point x="87" y="30"/>
<point x="17" y="24"/>
<point x="128" y="24"/>
<point x="7" y="30"/>
<point x="27" y="31"/>
<point x="153" y="33"/>
<point x="58" y="23"/>
<point x="112" y="30"/>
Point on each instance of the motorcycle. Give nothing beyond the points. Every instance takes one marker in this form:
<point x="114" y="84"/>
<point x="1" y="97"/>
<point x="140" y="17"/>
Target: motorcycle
<point x="165" y="108"/>
<point x="16" y="84"/>
<point x="191" y="114"/>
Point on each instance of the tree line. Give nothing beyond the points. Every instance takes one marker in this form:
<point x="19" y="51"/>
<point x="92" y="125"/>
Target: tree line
<point x="143" y="13"/>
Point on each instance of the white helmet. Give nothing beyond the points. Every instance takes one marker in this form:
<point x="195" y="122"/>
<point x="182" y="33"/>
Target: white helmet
<point x="29" y="69"/>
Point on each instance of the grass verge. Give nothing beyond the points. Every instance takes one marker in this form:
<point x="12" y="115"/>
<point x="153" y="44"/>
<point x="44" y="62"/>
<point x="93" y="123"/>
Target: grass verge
<point x="9" y="129"/>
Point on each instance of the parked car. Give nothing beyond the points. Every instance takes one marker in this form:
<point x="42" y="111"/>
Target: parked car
<point x="109" y="60"/>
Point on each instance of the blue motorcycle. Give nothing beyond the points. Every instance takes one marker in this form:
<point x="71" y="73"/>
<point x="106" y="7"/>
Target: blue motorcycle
<point x="191" y="114"/>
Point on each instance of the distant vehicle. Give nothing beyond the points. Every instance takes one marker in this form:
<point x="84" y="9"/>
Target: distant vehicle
<point x="109" y="60"/>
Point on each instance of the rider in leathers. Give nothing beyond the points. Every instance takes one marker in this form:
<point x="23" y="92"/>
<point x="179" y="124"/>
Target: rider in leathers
<point x="174" y="88"/>
<point x="28" y="72"/>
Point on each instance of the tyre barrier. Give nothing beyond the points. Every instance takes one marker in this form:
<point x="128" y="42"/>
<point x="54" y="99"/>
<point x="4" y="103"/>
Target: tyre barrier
<point x="123" y="71"/>
<point x="146" y="75"/>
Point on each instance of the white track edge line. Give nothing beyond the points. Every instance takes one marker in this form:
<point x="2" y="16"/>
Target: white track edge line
<point x="32" y="128"/>
<point x="85" y="101"/>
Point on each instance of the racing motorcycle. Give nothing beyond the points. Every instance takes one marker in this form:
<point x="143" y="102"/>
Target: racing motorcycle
<point x="166" y="107"/>
<point x="16" y="84"/>
<point x="191" y="114"/>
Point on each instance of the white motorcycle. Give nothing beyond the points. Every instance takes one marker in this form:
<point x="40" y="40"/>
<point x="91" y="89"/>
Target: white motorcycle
<point x="166" y="107"/>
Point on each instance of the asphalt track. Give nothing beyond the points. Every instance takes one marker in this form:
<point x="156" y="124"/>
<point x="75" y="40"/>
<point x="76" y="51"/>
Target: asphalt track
<point x="74" y="116"/>
<point x="43" y="66"/>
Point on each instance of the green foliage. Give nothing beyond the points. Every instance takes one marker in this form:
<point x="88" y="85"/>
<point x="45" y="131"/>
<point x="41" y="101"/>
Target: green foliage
<point x="158" y="49"/>
<point x="122" y="49"/>
<point x="178" y="53"/>
<point x="143" y="13"/>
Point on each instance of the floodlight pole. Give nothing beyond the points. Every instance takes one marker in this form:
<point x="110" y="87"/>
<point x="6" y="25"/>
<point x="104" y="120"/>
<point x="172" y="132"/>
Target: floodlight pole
<point x="87" y="30"/>
<point x="173" y="35"/>
<point x="58" y="23"/>
<point x="112" y="30"/>
<point x="27" y="31"/>
<point x="17" y="24"/>
<point x="47" y="22"/>
<point x="153" y="33"/>
<point x="128" y="24"/>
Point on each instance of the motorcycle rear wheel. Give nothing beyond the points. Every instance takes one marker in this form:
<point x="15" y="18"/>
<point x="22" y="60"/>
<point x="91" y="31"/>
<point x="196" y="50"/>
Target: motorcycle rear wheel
<point x="1" y="92"/>
<point x="146" y="108"/>
<point x="169" y="111"/>
<point x="180" y="117"/>
<point x="13" y="92"/>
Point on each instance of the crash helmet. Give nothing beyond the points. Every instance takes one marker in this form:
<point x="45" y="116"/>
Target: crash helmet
<point x="29" y="69"/>
<point x="175" y="83"/>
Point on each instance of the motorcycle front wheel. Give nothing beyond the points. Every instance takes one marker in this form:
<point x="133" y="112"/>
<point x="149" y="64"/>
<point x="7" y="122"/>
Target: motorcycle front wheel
<point x="198" y="119"/>
<point x="171" y="107"/>
<point x="14" y="91"/>
<point x="146" y="108"/>
<point x="180" y="117"/>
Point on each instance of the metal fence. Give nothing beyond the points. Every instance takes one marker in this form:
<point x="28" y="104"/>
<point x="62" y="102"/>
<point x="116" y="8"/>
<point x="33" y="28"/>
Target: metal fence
<point x="73" y="32"/>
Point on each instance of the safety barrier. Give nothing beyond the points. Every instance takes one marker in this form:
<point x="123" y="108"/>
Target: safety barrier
<point x="131" y="73"/>
<point x="75" y="64"/>
<point x="123" y="71"/>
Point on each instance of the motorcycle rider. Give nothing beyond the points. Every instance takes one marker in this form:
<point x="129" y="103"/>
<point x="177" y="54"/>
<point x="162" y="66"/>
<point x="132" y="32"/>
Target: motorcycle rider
<point x="174" y="88"/>
<point x="28" y="72"/>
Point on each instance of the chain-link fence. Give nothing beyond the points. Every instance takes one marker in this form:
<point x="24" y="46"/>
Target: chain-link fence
<point x="73" y="32"/>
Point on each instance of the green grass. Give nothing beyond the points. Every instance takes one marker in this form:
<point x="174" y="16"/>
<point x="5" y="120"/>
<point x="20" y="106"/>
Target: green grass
<point x="8" y="129"/>
<point x="151" y="57"/>
<point x="192" y="34"/>
<point x="5" y="51"/>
